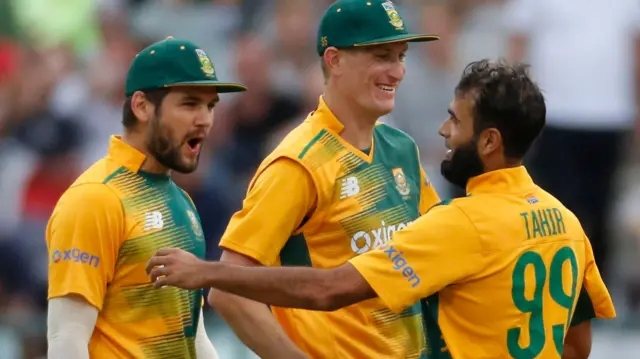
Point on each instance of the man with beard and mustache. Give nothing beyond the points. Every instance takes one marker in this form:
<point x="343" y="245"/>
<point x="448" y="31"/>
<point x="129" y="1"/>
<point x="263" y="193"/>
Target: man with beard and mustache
<point x="503" y="272"/>
<point x="123" y="208"/>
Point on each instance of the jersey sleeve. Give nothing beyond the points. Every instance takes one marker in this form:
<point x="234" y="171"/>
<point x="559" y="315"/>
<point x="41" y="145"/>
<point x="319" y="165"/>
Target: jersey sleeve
<point x="594" y="300"/>
<point x="83" y="238"/>
<point x="276" y="205"/>
<point x="428" y="195"/>
<point x="440" y="248"/>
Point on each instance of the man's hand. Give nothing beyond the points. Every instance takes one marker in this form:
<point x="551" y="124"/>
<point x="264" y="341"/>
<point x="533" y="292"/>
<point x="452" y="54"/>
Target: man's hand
<point x="177" y="268"/>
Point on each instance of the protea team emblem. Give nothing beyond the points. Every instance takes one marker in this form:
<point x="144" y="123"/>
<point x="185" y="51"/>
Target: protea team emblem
<point x="207" y="66"/>
<point x="401" y="182"/>
<point x="394" y="17"/>
<point x="195" y="225"/>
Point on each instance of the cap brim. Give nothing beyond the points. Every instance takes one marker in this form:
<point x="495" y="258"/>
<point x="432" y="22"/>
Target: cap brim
<point x="400" y="38"/>
<point x="222" y="87"/>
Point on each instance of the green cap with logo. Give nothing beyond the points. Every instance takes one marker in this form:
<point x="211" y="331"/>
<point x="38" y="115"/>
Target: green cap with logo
<point x="349" y="23"/>
<point x="173" y="62"/>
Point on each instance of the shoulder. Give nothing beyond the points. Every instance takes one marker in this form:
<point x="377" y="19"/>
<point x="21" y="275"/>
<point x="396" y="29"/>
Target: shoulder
<point x="298" y="141"/>
<point x="87" y="197"/>
<point x="450" y="212"/>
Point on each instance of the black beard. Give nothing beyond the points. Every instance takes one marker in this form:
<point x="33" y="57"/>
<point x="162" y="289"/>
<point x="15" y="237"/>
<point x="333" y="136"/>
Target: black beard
<point x="464" y="164"/>
<point x="168" y="155"/>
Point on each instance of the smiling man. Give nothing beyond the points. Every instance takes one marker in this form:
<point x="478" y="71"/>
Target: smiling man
<point x="505" y="272"/>
<point x="336" y="187"/>
<point x="125" y="207"/>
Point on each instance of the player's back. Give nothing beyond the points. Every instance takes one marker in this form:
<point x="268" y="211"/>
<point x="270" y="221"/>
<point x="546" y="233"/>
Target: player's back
<point x="521" y="301"/>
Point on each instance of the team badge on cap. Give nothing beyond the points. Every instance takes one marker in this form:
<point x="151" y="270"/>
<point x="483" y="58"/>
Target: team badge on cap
<point x="207" y="66"/>
<point x="394" y="17"/>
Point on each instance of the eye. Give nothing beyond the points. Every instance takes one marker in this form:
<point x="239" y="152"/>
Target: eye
<point x="211" y="106"/>
<point x="189" y="104"/>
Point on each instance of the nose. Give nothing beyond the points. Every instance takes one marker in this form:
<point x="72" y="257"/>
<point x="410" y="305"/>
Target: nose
<point x="204" y="117"/>
<point x="443" y="130"/>
<point x="398" y="70"/>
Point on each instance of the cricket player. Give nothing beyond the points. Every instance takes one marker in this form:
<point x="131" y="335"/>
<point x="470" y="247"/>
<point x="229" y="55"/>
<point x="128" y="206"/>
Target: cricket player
<point x="122" y="209"/>
<point x="500" y="273"/>
<point x="336" y="187"/>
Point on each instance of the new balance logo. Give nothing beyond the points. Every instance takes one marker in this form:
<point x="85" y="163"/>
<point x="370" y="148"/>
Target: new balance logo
<point x="153" y="220"/>
<point x="349" y="187"/>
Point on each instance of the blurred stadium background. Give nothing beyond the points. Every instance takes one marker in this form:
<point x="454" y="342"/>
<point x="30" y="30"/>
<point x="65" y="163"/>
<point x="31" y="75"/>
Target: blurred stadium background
<point x="62" y="70"/>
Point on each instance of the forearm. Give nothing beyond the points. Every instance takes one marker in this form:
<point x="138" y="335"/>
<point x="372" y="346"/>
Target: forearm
<point x="305" y="288"/>
<point x="70" y="324"/>
<point x="255" y="326"/>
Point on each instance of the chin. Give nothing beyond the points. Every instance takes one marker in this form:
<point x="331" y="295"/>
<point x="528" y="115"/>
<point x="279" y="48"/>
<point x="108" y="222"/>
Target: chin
<point x="383" y="107"/>
<point x="186" y="167"/>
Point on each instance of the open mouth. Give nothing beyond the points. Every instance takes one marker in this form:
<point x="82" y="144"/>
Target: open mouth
<point x="194" y="143"/>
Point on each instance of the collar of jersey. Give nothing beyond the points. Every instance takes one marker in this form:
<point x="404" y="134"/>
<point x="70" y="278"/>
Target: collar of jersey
<point x="508" y="180"/>
<point x="325" y="118"/>
<point x="125" y="154"/>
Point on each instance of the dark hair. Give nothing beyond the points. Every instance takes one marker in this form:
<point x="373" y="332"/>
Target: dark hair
<point x="505" y="98"/>
<point x="129" y="119"/>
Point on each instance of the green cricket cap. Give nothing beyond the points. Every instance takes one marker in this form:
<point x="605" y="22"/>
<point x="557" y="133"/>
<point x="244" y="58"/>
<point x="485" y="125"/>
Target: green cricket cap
<point x="349" y="23"/>
<point x="173" y="62"/>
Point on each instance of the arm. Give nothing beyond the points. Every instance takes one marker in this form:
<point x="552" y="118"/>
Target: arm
<point x="204" y="347"/>
<point x="82" y="242"/>
<point x="394" y="272"/>
<point x="252" y="322"/>
<point x="593" y="302"/>
<point x="577" y="342"/>
<point x="70" y="323"/>
<point x="264" y="208"/>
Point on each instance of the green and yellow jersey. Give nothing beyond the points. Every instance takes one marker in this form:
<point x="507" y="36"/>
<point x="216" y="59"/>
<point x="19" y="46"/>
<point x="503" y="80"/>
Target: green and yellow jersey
<point x="101" y="234"/>
<point x="502" y="273"/>
<point x="317" y="201"/>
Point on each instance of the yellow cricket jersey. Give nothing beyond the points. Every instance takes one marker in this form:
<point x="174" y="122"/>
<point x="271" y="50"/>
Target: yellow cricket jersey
<point x="318" y="201"/>
<point x="501" y="271"/>
<point x="101" y="234"/>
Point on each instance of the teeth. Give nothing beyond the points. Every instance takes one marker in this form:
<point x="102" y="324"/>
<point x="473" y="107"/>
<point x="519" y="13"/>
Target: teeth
<point x="387" y="88"/>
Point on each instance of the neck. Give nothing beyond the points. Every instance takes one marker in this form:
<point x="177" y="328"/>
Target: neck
<point x="501" y="163"/>
<point x="358" y="125"/>
<point x="136" y="140"/>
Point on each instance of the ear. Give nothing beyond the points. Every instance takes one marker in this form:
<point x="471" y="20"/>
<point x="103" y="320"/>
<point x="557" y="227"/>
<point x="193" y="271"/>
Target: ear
<point x="141" y="107"/>
<point x="331" y="60"/>
<point x="490" y="141"/>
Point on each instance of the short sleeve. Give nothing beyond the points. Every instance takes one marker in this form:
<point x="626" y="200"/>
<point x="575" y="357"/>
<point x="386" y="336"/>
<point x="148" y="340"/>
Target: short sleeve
<point x="83" y="238"/>
<point x="520" y="15"/>
<point x="440" y="248"/>
<point x="428" y="195"/>
<point x="281" y="196"/>
<point x="594" y="300"/>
